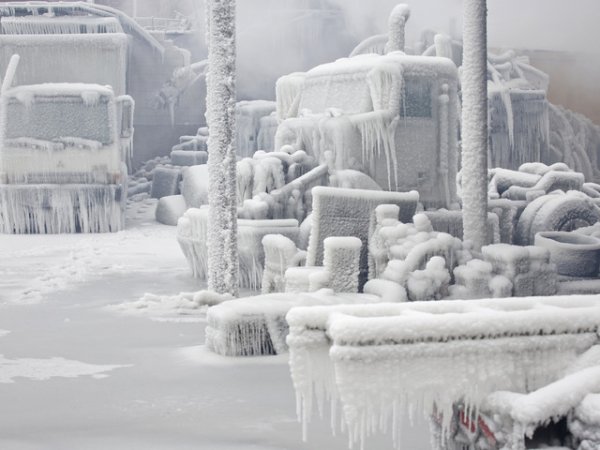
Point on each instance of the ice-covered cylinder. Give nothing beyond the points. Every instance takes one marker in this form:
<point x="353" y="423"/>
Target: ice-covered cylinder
<point x="443" y="45"/>
<point x="10" y="72"/>
<point x="397" y="24"/>
<point x="474" y="122"/>
<point x="220" y="116"/>
<point x="341" y="261"/>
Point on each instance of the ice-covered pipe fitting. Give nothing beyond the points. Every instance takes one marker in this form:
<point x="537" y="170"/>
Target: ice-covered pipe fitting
<point x="397" y="22"/>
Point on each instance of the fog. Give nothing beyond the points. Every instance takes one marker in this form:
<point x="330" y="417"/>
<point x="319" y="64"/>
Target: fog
<point x="276" y="37"/>
<point x="531" y="24"/>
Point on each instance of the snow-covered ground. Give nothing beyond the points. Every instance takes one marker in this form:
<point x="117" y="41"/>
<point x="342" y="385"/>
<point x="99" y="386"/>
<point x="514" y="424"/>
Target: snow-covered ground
<point x="79" y="372"/>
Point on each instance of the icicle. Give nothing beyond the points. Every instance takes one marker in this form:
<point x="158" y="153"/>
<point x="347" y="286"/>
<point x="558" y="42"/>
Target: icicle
<point x="378" y="137"/>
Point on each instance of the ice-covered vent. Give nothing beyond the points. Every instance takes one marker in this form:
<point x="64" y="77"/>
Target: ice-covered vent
<point x="382" y="362"/>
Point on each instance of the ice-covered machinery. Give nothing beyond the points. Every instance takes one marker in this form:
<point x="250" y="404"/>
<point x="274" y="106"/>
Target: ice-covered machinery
<point x="385" y="360"/>
<point x="393" y="117"/>
<point x="63" y="148"/>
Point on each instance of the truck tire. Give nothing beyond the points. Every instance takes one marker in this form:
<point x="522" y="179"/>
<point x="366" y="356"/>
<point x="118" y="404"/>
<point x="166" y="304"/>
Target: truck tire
<point x="556" y="213"/>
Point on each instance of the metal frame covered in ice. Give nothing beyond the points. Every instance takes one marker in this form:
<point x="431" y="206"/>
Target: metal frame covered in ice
<point x="382" y="361"/>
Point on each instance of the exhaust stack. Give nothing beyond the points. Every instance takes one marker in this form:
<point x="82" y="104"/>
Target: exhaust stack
<point x="397" y="22"/>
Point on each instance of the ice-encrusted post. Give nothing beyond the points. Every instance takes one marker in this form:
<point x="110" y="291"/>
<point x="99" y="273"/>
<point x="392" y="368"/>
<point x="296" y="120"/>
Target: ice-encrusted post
<point x="474" y="122"/>
<point x="397" y="23"/>
<point x="220" y="116"/>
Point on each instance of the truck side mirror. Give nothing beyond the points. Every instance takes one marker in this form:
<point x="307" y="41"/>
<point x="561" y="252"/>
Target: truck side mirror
<point x="125" y="106"/>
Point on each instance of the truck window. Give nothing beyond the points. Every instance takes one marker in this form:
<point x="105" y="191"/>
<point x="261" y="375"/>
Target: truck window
<point x="416" y="98"/>
<point x="50" y="118"/>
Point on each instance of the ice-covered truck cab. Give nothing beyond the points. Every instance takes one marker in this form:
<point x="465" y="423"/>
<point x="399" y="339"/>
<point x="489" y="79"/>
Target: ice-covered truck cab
<point x="393" y="117"/>
<point x="63" y="149"/>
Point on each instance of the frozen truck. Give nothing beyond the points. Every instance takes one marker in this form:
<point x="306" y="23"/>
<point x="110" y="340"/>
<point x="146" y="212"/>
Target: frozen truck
<point x="393" y="117"/>
<point x="63" y="148"/>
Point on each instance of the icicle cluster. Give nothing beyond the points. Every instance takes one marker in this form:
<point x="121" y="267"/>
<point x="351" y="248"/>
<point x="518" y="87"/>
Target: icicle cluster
<point x="385" y="362"/>
<point x="61" y="209"/>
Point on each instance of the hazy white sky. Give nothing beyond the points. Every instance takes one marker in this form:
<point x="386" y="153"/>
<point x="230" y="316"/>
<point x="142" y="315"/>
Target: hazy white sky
<point x="535" y="24"/>
<point x="539" y="24"/>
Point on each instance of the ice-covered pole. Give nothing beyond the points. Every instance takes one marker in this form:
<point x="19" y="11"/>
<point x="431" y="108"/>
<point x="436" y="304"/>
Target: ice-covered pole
<point x="397" y="23"/>
<point x="474" y="122"/>
<point x="220" y="116"/>
<point x="11" y="70"/>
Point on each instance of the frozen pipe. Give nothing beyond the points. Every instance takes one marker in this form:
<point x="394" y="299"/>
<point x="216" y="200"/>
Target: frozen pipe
<point x="372" y="44"/>
<point x="444" y="102"/>
<point x="474" y="122"/>
<point x="397" y="23"/>
<point x="443" y="46"/>
<point x="9" y="76"/>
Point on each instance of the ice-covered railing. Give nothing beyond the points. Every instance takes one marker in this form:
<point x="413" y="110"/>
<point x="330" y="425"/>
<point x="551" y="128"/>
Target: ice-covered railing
<point x="381" y="362"/>
<point x="177" y="25"/>
<point x="59" y="25"/>
<point x="79" y="8"/>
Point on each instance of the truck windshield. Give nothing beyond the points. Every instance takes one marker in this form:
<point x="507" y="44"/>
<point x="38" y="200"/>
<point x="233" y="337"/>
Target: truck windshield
<point x="53" y="118"/>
